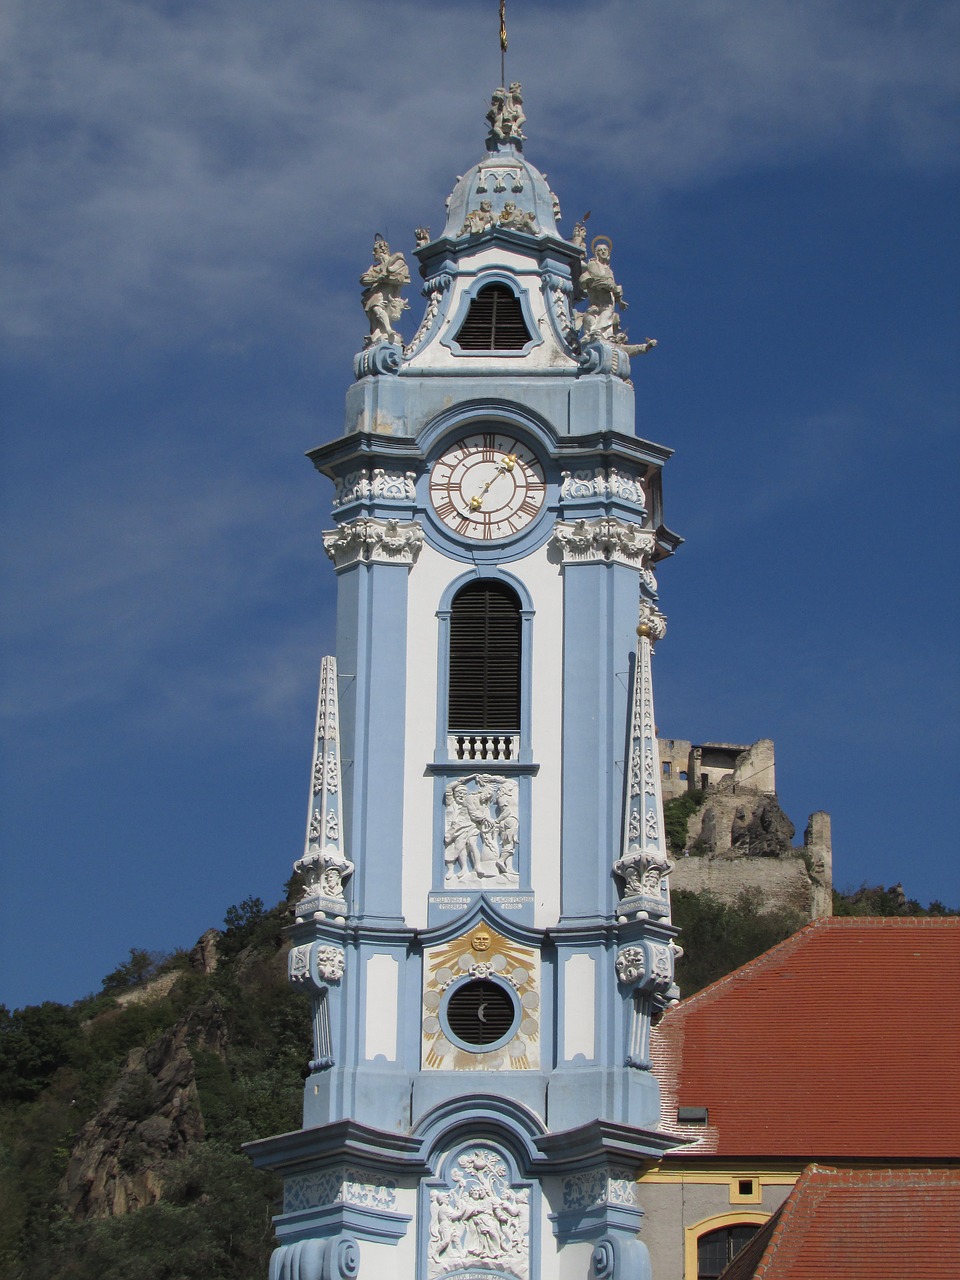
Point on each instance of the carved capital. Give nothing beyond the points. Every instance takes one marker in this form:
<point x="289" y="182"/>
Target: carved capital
<point x="630" y="965"/>
<point x="384" y="486"/>
<point x="641" y="871"/>
<point x="371" y="541"/>
<point x="329" y="962"/>
<point x="652" y="623"/>
<point x="315" y="964"/>
<point x="604" y="540"/>
<point x="606" y="483"/>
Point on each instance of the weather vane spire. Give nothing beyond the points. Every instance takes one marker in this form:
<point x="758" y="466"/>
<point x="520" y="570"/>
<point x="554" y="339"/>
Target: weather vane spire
<point x="503" y="40"/>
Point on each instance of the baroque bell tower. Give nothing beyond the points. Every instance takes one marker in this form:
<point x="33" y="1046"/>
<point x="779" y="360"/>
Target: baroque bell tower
<point x="485" y="927"/>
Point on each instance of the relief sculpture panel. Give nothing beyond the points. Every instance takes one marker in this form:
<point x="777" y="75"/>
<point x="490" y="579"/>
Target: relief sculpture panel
<point x="481" y="832"/>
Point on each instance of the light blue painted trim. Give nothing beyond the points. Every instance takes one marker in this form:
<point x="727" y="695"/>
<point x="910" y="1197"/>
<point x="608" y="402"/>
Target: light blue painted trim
<point x="600" y="603"/>
<point x="501" y="1119"/>
<point x="482" y="409"/>
<point x="438" y="282"/>
<point x="371" y="659"/>
<point x="494" y="275"/>
<point x="330" y="1219"/>
<point x="501" y="575"/>
<point x="590" y="1224"/>
<point x="482" y="911"/>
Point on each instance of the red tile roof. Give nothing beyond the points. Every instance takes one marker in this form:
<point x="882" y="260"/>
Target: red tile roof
<point x="860" y="1224"/>
<point x="839" y="1043"/>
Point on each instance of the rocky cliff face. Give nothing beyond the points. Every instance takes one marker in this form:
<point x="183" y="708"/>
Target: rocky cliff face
<point x="150" y="1116"/>
<point x="742" y="825"/>
<point x="745" y="841"/>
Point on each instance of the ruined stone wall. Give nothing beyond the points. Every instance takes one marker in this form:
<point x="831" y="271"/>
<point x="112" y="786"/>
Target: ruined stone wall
<point x="687" y="766"/>
<point x="798" y="879"/>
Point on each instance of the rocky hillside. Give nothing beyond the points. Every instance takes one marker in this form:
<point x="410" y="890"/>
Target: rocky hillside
<point x="122" y="1116"/>
<point x="138" y="1099"/>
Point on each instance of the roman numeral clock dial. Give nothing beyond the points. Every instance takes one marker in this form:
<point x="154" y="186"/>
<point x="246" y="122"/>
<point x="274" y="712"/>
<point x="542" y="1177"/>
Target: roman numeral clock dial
<point x="487" y="486"/>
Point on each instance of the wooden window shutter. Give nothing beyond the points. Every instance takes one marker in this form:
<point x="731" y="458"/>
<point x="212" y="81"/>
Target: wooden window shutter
<point x="484" y="660"/>
<point x="494" y="322"/>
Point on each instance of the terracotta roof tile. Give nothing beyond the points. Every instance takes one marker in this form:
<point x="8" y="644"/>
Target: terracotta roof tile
<point x="860" y="1224"/>
<point x="838" y="1043"/>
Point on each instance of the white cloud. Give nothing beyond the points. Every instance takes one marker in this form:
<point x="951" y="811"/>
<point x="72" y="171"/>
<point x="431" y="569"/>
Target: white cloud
<point x="196" y="169"/>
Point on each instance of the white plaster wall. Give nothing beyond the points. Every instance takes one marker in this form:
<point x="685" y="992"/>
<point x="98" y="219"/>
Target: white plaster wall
<point x="383" y="985"/>
<point x="579" y="1003"/>
<point x="547" y="354"/>
<point x="429" y="578"/>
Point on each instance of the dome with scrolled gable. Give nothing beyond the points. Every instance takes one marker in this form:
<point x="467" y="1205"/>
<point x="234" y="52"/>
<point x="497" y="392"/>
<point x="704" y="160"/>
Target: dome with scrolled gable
<point x="503" y="190"/>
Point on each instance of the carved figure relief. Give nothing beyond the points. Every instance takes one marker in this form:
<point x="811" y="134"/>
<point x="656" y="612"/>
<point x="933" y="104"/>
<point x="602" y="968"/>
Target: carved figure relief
<point x="381" y="299"/>
<point x="506" y="117"/>
<point x="481" y="1221"/>
<point x="601" y="321"/>
<point x="481" y="831"/>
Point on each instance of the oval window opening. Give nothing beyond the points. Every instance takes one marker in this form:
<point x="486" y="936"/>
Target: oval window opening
<point x="481" y="1013"/>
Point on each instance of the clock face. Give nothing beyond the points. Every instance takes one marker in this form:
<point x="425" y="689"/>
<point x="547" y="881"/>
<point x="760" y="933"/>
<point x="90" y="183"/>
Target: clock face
<point x="487" y="486"/>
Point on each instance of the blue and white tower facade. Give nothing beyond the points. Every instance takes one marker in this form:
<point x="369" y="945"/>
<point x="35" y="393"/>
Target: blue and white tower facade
<point x="485" y="929"/>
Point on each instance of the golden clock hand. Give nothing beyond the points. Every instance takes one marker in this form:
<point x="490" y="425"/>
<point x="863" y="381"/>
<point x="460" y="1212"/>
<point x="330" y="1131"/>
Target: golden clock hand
<point x="506" y="463"/>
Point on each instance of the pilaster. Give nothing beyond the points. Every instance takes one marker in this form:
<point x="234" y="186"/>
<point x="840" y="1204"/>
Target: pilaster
<point x="373" y="558"/>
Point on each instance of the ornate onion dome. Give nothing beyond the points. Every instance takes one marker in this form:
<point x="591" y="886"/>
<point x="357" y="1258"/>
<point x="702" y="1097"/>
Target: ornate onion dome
<point x="503" y="177"/>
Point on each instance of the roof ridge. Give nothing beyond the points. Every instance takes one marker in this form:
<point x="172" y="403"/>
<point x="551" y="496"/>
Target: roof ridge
<point x="795" y="940"/>
<point x="758" y="962"/>
<point x="783" y="1216"/>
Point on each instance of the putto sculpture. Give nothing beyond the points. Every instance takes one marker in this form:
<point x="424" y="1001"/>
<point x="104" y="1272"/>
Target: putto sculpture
<point x="516" y="219"/>
<point x="601" y="322"/>
<point x="381" y="299"/>
<point x="478" y="220"/>
<point x="506" y="115"/>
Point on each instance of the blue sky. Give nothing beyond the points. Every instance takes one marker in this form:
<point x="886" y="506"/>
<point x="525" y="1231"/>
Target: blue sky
<point x="191" y="194"/>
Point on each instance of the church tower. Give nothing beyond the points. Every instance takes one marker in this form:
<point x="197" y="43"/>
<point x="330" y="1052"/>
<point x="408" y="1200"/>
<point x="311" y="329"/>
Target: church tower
<point x="485" y="923"/>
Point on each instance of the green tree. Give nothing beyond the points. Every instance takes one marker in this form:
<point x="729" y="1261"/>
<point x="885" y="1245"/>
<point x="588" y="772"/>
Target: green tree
<point x="676" y="816"/>
<point x="34" y="1043"/>
<point x="141" y="966"/>
<point x="718" y="937"/>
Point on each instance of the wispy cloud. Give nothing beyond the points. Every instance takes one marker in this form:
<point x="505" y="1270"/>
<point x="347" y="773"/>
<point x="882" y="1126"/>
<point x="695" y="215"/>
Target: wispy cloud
<point x="182" y="169"/>
<point x="145" y="580"/>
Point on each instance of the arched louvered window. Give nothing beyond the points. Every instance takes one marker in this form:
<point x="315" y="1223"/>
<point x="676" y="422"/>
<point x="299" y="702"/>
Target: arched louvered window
<point x="484" y="691"/>
<point x="716" y="1248"/>
<point x="494" y="322"/>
